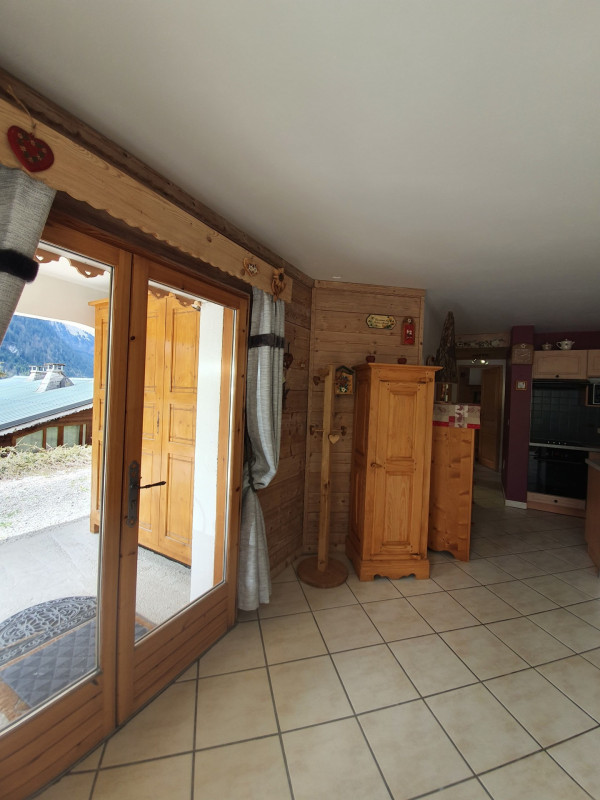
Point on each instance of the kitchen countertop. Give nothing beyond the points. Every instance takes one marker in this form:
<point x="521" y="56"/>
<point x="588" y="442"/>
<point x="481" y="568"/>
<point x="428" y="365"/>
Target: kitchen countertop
<point x="565" y="447"/>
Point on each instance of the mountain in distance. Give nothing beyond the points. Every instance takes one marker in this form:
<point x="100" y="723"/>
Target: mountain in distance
<point x="31" y="340"/>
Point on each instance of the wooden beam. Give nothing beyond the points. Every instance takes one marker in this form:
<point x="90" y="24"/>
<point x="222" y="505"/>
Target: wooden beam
<point x="60" y="120"/>
<point x="89" y="178"/>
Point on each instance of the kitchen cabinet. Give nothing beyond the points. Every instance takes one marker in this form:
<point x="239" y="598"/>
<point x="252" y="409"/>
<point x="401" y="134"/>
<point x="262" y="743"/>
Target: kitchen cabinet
<point x="562" y="364"/>
<point x="593" y="363"/>
<point x="168" y="423"/>
<point x="391" y="464"/>
<point x="451" y="490"/>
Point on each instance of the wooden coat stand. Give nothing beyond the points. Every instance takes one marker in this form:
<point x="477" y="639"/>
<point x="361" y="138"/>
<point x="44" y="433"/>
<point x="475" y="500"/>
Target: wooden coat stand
<point x="320" y="570"/>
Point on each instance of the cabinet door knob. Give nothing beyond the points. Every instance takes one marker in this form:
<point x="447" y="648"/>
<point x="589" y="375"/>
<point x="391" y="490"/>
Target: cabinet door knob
<point x="374" y="464"/>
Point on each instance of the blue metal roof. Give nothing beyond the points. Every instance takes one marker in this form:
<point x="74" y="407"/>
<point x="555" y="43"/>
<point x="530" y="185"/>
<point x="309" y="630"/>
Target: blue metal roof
<point x="21" y="404"/>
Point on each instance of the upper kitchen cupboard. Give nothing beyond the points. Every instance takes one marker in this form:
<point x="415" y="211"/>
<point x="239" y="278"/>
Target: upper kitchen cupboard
<point x="391" y="463"/>
<point x="565" y="364"/>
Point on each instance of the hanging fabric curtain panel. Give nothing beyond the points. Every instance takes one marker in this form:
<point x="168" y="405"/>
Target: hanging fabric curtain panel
<point x="24" y="207"/>
<point x="264" y="389"/>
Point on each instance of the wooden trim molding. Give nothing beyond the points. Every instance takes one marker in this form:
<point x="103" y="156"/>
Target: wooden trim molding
<point x="87" y="177"/>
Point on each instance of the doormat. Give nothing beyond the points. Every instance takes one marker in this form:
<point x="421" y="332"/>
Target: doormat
<point x="50" y="659"/>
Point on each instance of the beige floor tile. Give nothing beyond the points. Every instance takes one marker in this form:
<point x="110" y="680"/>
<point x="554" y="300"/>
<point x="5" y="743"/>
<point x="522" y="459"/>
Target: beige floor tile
<point x="190" y="674"/>
<point x="516" y="566"/>
<point x="589" y="612"/>
<point x="484" y="572"/>
<point x="164" y="727"/>
<point x="579" y="757"/>
<point x="332" y="761"/>
<point x="483" y="653"/>
<point x="586" y="580"/>
<point x="440" y="557"/>
<point x="73" y="787"/>
<point x="373" y="678"/>
<point x="576" y="556"/>
<point x="288" y="638"/>
<point x="556" y="589"/>
<point x="410" y="586"/>
<point x="246" y="616"/>
<point x="579" y="680"/>
<point x="442" y="612"/>
<point x="529" y="641"/>
<point x="285" y="576"/>
<point x="534" y="777"/>
<point x="568" y="629"/>
<point x="449" y="576"/>
<point x="431" y="665"/>
<point x="545" y="560"/>
<point x="234" y="707"/>
<point x="370" y="591"/>
<point x="90" y="762"/>
<point x="396" y="619"/>
<point x="468" y="790"/>
<point x="165" y="777"/>
<point x="404" y="737"/>
<point x="239" y="649"/>
<point x="252" y="770"/>
<point x="328" y="598"/>
<point x="483" y="731"/>
<point x="286" y="598"/>
<point x="522" y="597"/>
<point x="346" y="628"/>
<point x="540" y="707"/>
<point x="308" y="692"/>
<point x="483" y="604"/>
<point x="593" y="656"/>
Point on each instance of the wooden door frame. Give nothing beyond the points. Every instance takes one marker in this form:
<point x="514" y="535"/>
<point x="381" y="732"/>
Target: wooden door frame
<point x="493" y="362"/>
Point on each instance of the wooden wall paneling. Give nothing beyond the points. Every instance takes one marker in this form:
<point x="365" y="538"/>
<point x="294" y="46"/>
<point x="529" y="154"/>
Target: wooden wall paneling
<point x="340" y="336"/>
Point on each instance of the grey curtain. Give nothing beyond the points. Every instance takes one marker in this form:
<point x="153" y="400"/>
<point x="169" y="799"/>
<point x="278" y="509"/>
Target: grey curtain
<point x="24" y="207"/>
<point x="264" y="389"/>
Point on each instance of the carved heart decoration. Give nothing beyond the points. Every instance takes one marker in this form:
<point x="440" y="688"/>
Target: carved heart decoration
<point x="33" y="153"/>
<point x="334" y="437"/>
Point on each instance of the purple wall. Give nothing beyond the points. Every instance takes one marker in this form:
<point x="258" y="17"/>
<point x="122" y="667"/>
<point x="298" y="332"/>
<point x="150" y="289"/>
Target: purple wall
<point x="584" y="340"/>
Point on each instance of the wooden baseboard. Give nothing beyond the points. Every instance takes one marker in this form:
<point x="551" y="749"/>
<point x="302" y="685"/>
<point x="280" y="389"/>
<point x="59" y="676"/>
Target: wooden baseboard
<point x="556" y="505"/>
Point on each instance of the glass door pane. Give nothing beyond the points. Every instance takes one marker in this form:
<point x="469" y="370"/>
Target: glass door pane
<point x="185" y="456"/>
<point x="53" y="394"/>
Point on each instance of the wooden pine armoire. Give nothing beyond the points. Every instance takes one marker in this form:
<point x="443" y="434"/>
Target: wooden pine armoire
<point x="169" y="423"/>
<point x="391" y="461"/>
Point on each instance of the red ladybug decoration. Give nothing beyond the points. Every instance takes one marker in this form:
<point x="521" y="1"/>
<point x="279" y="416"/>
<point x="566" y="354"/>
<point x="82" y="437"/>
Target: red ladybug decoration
<point x="408" y="331"/>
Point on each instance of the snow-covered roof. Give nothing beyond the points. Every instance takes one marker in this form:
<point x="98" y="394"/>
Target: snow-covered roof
<point x="21" y="405"/>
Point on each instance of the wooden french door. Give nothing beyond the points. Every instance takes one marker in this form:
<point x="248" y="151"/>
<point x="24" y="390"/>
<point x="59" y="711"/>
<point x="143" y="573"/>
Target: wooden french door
<point x="201" y="345"/>
<point x="184" y="430"/>
<point x="490" y="432"/>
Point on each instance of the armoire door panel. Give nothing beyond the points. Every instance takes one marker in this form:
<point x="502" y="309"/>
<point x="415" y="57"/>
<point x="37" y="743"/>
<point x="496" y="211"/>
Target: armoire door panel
<point x="178" y="502"/>
<point x="182" y="424"/>
<point x="182" y="336"/>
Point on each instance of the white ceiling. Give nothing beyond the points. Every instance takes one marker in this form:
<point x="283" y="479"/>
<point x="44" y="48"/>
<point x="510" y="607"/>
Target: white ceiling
<point x="451" y="145"/>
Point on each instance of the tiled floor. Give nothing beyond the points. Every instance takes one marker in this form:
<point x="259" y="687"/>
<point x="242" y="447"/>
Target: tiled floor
<point x="483" y="681"/>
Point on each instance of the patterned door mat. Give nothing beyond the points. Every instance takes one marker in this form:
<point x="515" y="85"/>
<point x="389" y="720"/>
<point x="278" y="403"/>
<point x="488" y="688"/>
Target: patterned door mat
<point x="49" y="646"/>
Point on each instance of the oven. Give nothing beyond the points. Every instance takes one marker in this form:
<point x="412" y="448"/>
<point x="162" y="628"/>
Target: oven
<point x="559" y="471"/>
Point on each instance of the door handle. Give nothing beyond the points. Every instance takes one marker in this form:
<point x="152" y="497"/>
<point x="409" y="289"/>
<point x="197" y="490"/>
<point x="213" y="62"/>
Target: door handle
<point x="375" y="465"/>
<point x="134" y="493"/>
